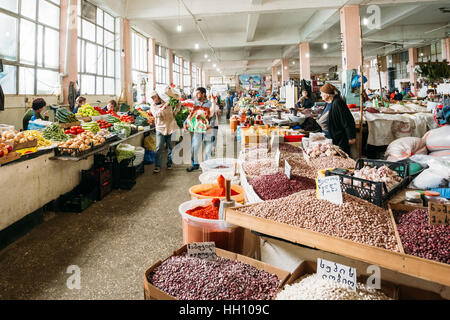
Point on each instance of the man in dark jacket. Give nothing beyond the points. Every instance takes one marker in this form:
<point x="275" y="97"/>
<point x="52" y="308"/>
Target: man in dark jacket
<point x="337" y="120"/>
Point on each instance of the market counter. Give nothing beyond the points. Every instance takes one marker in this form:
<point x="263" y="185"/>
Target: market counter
<point x="29" y="185"/>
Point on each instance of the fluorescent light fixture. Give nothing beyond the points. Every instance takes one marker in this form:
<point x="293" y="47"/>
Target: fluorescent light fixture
<point x="421" y="54"/>
<point x="325" y="45"/>
<point x="279" y="72"/>
<point x="293" y="62"/>
<point x="197" y="46"/>
<point x="206" y="56"/>
<point x="209" y="60"/>
<point x="285" y="67"/>
<point x="327" y="74"/>
<point x="179" y="28"/>
<point x="214" y="65"/>
<point x="365" y="21"/>
<point x="390" y="61"/>
<point x="307" y="55"/>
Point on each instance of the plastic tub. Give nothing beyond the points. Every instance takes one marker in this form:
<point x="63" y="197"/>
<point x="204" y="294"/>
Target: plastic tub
<point x="219" y="165"/>
<point x="210" y="177"/>
<point x="193" y="191"/>
<point x="293" y="138"/>
<point x="225" y="235"/>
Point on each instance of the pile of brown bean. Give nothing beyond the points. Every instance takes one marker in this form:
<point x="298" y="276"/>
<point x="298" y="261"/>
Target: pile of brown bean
<point x="188" y="278"/>
<point x="260" y="167"/>
<point x="421" y="239"/>
<point x="277" y="185"/>
<point x="356" y="220"/>
<point x="286" y="147"/>
<point x="299" y="167"/>
<point x="332" y="162"/>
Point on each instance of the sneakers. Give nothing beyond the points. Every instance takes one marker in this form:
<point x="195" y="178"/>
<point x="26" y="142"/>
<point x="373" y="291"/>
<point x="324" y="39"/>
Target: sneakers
<point x="156" y="170"/>
<point x="192" y="168"/>
<point x="169" y="167"/>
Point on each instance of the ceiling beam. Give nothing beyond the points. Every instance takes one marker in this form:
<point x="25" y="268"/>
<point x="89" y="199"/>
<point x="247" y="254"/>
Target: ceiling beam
<point x="252" y="22"/>
<point x="319" y="22"/>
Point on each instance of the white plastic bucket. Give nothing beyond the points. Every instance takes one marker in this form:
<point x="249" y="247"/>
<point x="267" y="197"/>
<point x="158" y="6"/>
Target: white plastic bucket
<point x="213" y="164"/>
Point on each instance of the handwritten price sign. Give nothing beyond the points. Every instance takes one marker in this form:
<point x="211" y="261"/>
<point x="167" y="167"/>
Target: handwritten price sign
<point x="202" y="250"/>
<point x="287" y="169"/>
<point x="439" y="213"/>
<point x="329" y="188"/>
<point x="337" y="272"/>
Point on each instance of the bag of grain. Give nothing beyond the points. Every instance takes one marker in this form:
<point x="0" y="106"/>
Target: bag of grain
<point x="438" y="139"/>
<point x="404" y="148"/>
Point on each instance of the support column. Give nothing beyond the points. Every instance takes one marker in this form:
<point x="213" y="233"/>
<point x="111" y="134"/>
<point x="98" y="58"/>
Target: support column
<point x="351" y="37"/>
<point x="190" y="75"/>
<point x="71" y="73"/>
<point x="127" y="89"/>
<point x="285" y="70"/>
<point x="170" y="66"/>
<point x="182" y="73"/>
<point x="275" y="78"/>
<point x="446" y="49"/>
<point x="305" y="62"/>
<point x="412" y="52"/>
<point x="238" y="87"/>
<point x="151" y="62"/>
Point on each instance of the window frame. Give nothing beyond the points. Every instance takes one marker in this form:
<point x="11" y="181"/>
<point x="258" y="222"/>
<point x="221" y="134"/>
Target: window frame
<point x="17" y="64"/>
<point x="161" y="65"/>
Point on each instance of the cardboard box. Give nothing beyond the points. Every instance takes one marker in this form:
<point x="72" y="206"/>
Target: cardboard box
<point x="153" y="293"/>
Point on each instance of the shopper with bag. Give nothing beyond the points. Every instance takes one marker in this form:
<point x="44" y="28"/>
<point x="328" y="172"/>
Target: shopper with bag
<point x="165" y="125"/>
<point x="36" y="112"/>
<point x="336" y="120"/>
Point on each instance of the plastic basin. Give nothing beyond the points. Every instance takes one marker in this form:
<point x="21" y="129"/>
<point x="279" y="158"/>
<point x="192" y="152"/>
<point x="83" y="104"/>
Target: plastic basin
<point x="225" y="235"/>
<point x="219" y="165"/>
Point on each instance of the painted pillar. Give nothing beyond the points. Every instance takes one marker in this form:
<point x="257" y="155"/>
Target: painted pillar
<point x="412" y="52"/>
<point x="127" y="88"/>
<point x="72" y="63"/>
<point x="238" y="87"/>
<point x="351" y="37"/>
<point x="275" y="78"/>
<point x="181" y="72"/>
<point x="190" y="75"/>
<point x="284" y="70"/>
<point x="170" y="66"/>
<point x="305" y="62"/>
<point x="446" y="49"/>
<point x="151" y="62"/>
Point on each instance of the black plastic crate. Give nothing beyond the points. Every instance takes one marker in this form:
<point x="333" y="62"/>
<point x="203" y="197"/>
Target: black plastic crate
<point x="127" y="184"/>
<point x="104" y="189"/>
<point x="78" y="200"/>
<point x="374" y="192"/>
<point x="123" y="171"/>
<point x="140" y="169"/>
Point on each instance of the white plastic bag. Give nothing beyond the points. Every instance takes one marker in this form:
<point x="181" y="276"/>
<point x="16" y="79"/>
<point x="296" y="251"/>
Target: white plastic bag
<point x="437" y="174"/>
<point x="438" y="139"/>
<point x="404" y="148"/>
<point x="124" y="151"/>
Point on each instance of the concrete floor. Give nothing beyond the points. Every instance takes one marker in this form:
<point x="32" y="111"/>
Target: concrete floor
<point x="113" y="242"/>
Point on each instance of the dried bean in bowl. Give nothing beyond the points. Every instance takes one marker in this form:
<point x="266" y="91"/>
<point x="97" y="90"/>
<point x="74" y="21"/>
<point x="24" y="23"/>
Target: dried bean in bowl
<point x="189" y="278"/>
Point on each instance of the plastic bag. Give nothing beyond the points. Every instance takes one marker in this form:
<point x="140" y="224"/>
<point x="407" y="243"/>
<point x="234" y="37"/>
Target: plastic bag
<point x="150" y="142"/>
<point x="404" y="148"/>
<point x="125" y="151"/>
<point x="437" y="139"/>
<point x="149" y="157"/>
<point x="436" y="176"/>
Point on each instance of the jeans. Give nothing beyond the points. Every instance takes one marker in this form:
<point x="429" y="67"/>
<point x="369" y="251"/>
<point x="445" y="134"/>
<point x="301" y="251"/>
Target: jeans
<point x="160" y="140"/>
<point x="208" y="138"/>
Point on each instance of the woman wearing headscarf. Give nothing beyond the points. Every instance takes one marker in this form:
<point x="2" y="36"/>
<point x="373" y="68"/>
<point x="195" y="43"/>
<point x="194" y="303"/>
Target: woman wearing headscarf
<point x="337" y="121"/>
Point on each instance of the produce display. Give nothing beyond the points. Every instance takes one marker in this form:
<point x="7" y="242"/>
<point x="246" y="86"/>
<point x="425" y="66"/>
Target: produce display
<point x="112" y="119"/>
<point x="87" y="111"/>
<point x="54" y="133"/>
<point x="41" y="141"/>
<point x="74" y="130"/>
<point x="141" y="121"/>
<point x="127" y="118"/>
<point x="312" y="287"/>
<point x="119" y="127"/>
<point x="421" y="239"/>
<point x="82" y="142"/>
<point x="10" y="137"/>
<point x="113" y="113"/>
<point x="5" y="149"/>
<point x="260" y="167"/>
<point x="277" y="185"/>
<point x="332" y="162"/>
<point x="218" y="191"/>
<point x="100" y="110"/>
<point x="317" y="150"/>
<point x="65" y="116"/>
<point x="91" y="126"/>
<point x="381" y="174"/>
<point x="104" y="124"/>
<point x="191" y="278"/>
<point x="357" y="220"/>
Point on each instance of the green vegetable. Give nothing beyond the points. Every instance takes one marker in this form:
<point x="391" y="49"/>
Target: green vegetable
<point x="182" y="116"/>
<point x="112" y="119"/>
<point x="124" y="151"/>
<point x="91" y="126"/>
<point x="118" y="127"/>
<point x="55" y="133"/>
<point x="173" y="102"/>
<point x="65" y="116"/>
<point x="141" y="121"/>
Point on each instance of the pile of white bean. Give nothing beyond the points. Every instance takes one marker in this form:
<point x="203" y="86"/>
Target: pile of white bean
<point x="311" y="287"/>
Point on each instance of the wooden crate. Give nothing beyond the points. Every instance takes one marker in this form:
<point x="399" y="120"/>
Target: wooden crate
<point x="418" y="267"/>
<point x="153" y="293"/>
<point x="69" y="125"/>
<point x="12" y="156"/>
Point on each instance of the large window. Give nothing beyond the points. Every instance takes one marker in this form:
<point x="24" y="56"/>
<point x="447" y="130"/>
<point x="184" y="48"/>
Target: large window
<point x="97" y="64"/>
<point x="29" y="46"/>
<point x="195" y="77"/>
<point x="176" y="71"/>
<point x="162" y="65"/>
<point x="431" y="52"/>
<point x="140" y="56"/>
<point x="186" y="76"/>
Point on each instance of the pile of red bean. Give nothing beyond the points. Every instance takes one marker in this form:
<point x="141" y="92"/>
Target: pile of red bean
<point x="275" y="186"/>
<point x="421" y="239"/>
<point x="188" y="278"/>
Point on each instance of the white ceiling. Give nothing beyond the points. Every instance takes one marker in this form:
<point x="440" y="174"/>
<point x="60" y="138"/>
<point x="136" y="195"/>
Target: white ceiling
<point x="249" y="35"/>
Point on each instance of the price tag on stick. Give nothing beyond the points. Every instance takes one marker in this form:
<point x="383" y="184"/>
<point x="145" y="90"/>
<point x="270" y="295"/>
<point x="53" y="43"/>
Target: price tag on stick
<point x="287" y="169"/>
<point x="339" y="273"/>
<point x="329" y="188"/>
<point x="277" y="158"/>
<point x="202" y="250"/>
<point x="439" y="213"/>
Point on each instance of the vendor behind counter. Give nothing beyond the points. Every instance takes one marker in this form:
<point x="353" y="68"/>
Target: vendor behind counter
<point x="36" y="112"/>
